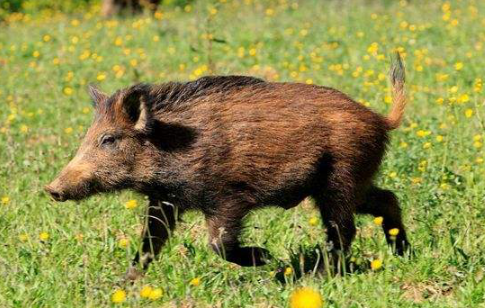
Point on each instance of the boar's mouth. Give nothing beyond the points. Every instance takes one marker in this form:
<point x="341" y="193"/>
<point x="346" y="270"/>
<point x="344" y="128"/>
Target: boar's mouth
<point x="61" y="193"/>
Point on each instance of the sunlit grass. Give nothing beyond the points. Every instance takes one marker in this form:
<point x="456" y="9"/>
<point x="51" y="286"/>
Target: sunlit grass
<point x="75" y="254"/>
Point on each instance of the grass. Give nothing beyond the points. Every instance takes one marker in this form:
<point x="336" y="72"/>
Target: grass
<point x="435" y="162"/>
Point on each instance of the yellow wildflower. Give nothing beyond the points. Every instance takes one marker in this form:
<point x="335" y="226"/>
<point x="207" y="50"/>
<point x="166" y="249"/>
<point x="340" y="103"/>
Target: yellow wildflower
<point x="123" y="242"/>
<point x="131" y="204"/>
<point x="477" y="141"/>
<point x="477" y="87"/>
<point x="158" y="15"/>
<point x="101" y="76"/>
<point x="313" y="221"/>
<point x="288" y="271"/>
<point x="195" y="282"/>
<point x="118" y="41"/>
<point x="44" y="236"/>
<point x="68" y="91"/>
<point x="416" y="180"/>
<point x="5" y="200"/>
<point x="156" y="294"/>
<point x="444" y="186"/>
<point x="422" y="133"/>
<point x="305" y="298"/>
<point x="441" y="77"/>
<point x="446" y="7"/>
<point x="118" y="296"/>
<point x="146" y="291"/>
<point x="464" y="98"/>
<point x="378" y="220"/>
<point x="24" y="128"/>
<point x="376" y="264"/>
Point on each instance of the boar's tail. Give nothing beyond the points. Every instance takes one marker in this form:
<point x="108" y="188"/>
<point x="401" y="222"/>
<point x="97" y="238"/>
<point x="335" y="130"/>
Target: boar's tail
<point x="399" y="100"/>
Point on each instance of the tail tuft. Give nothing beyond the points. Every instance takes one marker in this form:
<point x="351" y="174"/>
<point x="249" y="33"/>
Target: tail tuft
<point x="399" y="100"/>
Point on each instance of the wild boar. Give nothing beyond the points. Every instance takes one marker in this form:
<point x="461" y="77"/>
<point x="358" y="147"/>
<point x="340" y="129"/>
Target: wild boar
<point x="227" y="145"/>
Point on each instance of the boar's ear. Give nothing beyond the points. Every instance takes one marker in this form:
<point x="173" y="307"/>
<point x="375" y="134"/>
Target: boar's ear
<point x="135" y="107"/>
<point x="96" y="95"/>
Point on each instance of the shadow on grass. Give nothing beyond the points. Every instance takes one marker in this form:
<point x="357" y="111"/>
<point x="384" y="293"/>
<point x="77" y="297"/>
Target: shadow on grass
<point x="315" y="260"/>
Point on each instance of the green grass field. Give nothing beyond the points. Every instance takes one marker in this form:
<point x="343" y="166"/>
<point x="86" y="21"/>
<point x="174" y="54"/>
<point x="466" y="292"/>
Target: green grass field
<point x="75" y="254"/>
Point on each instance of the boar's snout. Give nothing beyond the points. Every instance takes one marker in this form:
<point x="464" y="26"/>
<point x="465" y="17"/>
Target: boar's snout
<point x="75" y="182"/>
<point x="56" y="191"/>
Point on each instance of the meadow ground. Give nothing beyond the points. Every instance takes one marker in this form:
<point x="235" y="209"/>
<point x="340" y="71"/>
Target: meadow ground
<point x="74" y="254"/>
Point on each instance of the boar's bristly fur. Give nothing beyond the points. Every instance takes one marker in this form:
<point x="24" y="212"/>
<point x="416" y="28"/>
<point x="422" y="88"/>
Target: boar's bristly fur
<point x="226" y="145"/>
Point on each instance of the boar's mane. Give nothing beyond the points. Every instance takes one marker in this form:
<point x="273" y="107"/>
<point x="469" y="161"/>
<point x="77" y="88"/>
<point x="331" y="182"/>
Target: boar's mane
<point x="175" y="95"/>
<point x="172" y="96"/>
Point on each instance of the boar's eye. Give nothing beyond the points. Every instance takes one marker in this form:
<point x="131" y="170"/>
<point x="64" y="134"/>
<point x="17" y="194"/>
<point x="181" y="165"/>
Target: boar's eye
<point x="107" y="140"/>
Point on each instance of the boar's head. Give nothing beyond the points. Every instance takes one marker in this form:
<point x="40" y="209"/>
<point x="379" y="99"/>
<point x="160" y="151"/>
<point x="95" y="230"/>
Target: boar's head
<point x="116" y="152"/>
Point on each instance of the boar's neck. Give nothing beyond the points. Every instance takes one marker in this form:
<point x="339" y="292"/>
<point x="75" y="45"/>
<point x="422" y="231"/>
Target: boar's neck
<point x="162" y="176"/>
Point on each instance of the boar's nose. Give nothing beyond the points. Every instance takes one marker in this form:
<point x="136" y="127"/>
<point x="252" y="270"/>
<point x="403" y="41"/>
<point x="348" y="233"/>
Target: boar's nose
<point x="56" y="194"/>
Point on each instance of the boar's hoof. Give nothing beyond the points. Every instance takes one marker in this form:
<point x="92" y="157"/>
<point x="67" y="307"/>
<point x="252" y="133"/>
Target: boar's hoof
<point x="133" y="274"/>
<point x="401" y="247"/>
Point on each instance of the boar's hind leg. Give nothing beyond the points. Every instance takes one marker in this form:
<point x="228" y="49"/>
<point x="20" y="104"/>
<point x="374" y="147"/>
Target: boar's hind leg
<point x="223" y="237"/>
<point x="336" y="203"/>
<point x="336" y="210"/>
<point x="338" y="218"/>
<point x="159" y="224"/>
<point x="380" y="202"/>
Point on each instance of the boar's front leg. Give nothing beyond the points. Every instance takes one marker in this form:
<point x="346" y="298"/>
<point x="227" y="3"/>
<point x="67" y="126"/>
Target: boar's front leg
<point x="224" y="231"/>
<point x="159" y="223"/>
